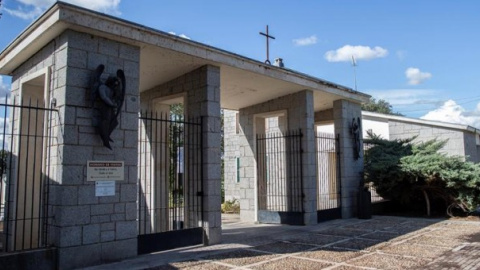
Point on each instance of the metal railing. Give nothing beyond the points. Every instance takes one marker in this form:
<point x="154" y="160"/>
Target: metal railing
<point x="328" y="171"/>
<point x="170" y="173"/>
<point x="280" y="171"/>
<point x="26" y="141"/>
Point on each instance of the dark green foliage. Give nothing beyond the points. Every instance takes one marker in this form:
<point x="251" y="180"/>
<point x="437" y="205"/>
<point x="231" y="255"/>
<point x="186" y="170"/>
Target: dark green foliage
<point x="380" y="106"/>
<point x="3" y="161"/>
<point x="401" y="171"/>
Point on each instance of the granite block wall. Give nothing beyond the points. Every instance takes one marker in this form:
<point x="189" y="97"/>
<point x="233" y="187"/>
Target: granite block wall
<point x="85" y="228"/>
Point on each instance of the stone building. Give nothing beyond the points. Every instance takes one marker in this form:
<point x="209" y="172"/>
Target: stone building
<point x="167" y="170"/>
<point x="462" y="140"/>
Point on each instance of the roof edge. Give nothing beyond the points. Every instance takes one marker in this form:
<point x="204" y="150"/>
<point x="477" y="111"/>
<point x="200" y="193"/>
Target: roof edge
<point x="421" y="121"/>
<point x="359" y="96"/>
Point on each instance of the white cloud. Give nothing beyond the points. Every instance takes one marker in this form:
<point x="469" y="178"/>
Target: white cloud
<point x="305" y="41"/>
<point x="181" y="35"/>
<point x="345" y="53"/>
<point x="451" y="112"/>
<point x="416" y="77"/>
<point x="30" y="9"/>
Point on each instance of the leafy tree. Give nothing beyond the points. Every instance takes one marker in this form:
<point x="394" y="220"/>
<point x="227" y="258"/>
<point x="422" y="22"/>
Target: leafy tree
<point x="400" y="170"/>
<point x="379" y="106"/>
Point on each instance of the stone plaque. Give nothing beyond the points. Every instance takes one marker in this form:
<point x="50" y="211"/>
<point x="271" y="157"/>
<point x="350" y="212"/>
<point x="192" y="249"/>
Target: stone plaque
<point x="105" y="171"/>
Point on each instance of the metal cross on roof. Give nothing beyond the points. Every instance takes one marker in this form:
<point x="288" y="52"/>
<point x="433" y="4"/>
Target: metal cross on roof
<point x="267" y="36"/>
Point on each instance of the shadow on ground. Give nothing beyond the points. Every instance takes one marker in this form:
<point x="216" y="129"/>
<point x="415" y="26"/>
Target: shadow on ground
<point x="380" y="243"/>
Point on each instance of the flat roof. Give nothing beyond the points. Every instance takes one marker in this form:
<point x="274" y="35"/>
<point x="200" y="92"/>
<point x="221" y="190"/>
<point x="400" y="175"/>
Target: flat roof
<point x="243" y="80"/>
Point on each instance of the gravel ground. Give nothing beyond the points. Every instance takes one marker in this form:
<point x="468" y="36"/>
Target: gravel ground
<point x="241" y="257"/>
<point x="415" y="250"/>
<point x="360" y="244"/>
<point x="379" y="243"/>
<point x="292" y="263"/>
<point x="314" y="239"/>
<point x="284" y="247"/>
<point x="331" y="254"/>
<point x="384" y="261"/>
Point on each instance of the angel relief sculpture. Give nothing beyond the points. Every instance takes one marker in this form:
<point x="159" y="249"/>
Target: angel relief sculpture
<point x="107" y="102"/>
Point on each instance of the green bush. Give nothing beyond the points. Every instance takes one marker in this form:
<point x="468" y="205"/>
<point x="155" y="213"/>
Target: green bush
<point x="231" y="207"/>
<point x="400" y="170"/>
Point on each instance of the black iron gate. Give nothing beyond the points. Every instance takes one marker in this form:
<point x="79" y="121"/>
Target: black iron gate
<point x="279" y="174"/>
<point x="170" y="192"/>
<point x="328" y="174"/>
<point x="26" y="140"/>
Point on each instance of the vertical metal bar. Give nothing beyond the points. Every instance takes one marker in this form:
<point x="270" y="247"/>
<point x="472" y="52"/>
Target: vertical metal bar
<point x="201" y="168"/>
<point x="34" y="174"/>
<point x="301" y="179"/>
<point x="41" y="219"/>
<point x="162" y="205"/>
<point x="4" y="164"/>
<point x="9" y="180"/>
<point x="145" y="190"/>
<point x="339" y="171"/>
<point x="182" y="175"/>
<point x="18" y="180"/>
<point x="140" y="173"/>
<point x="46" y="199"/>
<point x="151" y="189"/>
<point x="277" y="191"/>
<point x="26" y="178"/>
<point x="167" y="192"/>
<point x="156" y="179"/>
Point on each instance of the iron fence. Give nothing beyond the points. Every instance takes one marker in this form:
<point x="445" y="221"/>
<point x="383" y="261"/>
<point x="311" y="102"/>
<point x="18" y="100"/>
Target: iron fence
<point x="328" y="171"/>
<point x="170" y="173"/>
<point x="26" y="139"/>
<point x="279" y="171"/>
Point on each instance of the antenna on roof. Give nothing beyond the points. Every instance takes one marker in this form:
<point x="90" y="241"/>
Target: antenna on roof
<point x="354" y="64"/>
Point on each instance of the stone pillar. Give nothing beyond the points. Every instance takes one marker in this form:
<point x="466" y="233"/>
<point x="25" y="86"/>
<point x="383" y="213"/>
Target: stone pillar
<point x="201" y="91"/>
<point x="350" y="168"/>
<point x="87" y="229"/>
<point x="205" y="102"/>
<point x="299" y="112"/>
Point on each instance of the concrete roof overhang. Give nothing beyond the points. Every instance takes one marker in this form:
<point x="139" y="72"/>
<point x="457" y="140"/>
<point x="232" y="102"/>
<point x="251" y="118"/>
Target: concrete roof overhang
<point x="244" y="82"/>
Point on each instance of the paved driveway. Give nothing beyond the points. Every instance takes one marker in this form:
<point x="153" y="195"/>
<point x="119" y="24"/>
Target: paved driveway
<point x="378" y="243"/>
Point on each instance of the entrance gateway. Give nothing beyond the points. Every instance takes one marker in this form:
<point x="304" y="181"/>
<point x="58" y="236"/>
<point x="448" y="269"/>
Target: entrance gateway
<point x="172" y="171"/>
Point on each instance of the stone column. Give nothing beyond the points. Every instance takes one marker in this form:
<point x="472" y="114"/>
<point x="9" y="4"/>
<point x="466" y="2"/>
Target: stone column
<point x="201" y="91"/>
<point x="350" y="168"/>
<point x="298" y="108"/>
<point x="204" y="101"/>
<point x="87" y="229"/>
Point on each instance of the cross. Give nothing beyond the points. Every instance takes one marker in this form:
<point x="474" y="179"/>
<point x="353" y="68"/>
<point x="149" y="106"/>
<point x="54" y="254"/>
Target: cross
<point x="267" y="36"/>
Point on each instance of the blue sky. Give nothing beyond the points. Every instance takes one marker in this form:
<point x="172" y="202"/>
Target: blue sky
<point x="421" y="56"/>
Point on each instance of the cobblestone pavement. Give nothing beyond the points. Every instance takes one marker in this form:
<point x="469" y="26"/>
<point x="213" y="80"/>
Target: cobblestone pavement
<point x="378" y="243"/>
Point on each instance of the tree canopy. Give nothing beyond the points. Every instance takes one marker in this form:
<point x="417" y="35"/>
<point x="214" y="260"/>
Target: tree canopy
<point x="400" y="170"/>
<point x="379" y="106"/>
